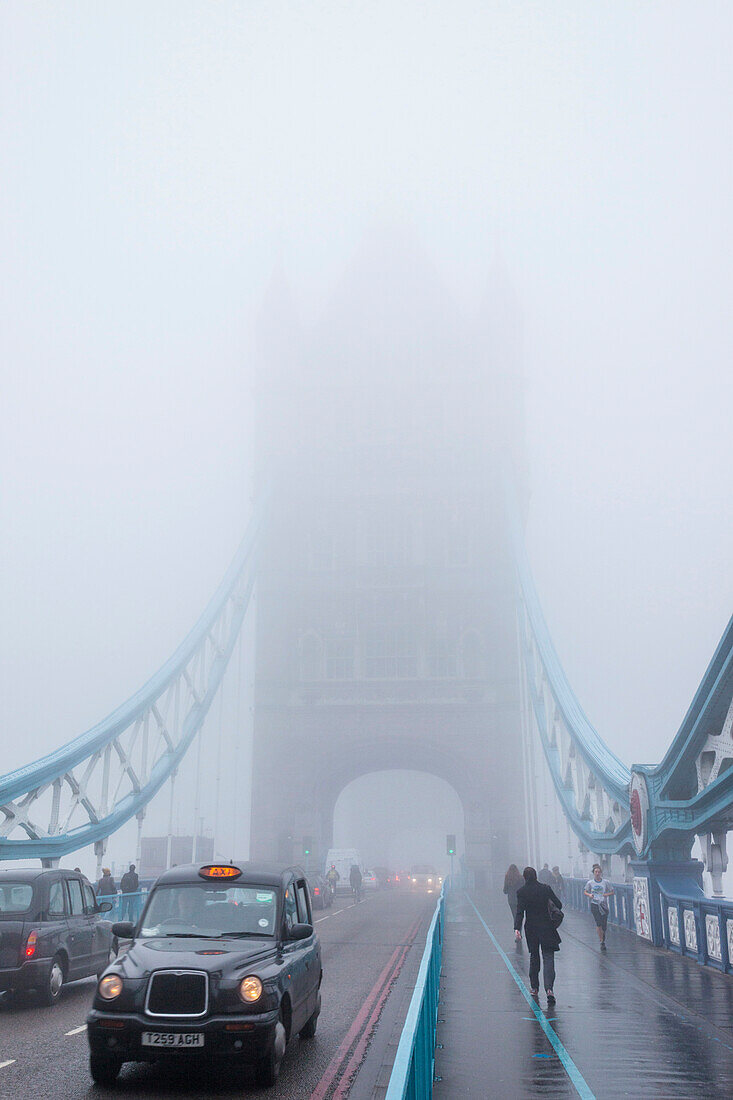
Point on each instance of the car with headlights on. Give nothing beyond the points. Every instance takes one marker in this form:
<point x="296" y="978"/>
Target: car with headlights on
<point x="52" y="931"/>
<point x="223" y="965"/>
<point x="425" y="879"/>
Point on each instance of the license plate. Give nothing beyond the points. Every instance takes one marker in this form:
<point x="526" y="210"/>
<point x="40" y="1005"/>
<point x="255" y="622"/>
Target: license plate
<point x="172" y="1039"/>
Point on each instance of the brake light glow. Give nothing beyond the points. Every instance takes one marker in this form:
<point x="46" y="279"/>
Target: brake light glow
<point x="30" y="947"/>
<point x="316" y="890"/>
<point x="216" y="871"/>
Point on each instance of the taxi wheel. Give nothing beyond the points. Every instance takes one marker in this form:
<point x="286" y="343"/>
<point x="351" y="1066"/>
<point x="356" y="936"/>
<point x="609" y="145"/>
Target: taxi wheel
<point x="268" y="1069"/>
<point x="50" y="993"/>
<point x="104" y="1071"/>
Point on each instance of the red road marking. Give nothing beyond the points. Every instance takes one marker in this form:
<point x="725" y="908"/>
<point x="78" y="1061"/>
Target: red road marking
<point x="365" y="1020"/>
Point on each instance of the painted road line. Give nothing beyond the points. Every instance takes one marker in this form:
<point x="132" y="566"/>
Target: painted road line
<point x="335" y="913"/>
<point x="335" y="1068"/>
<point x="9" y="1062"/>
<point x="77" y="1030"/>
<point x="579" y="1082"/>
<point x="342" y="910"/>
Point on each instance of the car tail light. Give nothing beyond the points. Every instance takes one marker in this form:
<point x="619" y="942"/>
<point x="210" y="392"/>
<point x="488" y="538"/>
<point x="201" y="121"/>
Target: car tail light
<point x="317" y="890"/>
<point x="30" y="946"/>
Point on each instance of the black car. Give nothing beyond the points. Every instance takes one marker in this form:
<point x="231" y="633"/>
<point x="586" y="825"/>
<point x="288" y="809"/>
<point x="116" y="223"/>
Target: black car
<point x="51" y="931"/>
<point x="321" y="892"/>
<point x="224" y="966"/>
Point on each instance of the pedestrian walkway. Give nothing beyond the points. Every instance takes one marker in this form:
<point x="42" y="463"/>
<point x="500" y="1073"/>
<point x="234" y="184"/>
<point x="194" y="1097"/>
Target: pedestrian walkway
<point x="634" y="1021"/>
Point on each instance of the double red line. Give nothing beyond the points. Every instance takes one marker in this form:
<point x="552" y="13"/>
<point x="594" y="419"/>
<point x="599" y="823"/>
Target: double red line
<point x="346" y="1060"/>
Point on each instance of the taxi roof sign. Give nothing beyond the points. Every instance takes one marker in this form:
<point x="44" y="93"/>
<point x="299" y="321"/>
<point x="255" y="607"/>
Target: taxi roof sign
<point x="219" y="871"/>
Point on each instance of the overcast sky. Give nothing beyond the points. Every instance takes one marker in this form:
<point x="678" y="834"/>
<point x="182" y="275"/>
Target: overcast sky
<point x="161" y="161"/>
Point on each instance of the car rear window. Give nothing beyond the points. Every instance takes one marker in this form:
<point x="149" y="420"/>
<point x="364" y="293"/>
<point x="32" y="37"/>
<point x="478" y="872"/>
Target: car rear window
<point x="15" y="897"/>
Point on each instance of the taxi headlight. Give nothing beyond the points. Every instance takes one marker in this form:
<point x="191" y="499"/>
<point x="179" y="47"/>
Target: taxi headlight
<point x="110" y="987"/>
<point x="250" y="989"/>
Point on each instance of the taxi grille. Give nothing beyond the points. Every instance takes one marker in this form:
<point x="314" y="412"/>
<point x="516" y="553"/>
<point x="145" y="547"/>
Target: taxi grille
<point x="177" y="993"/>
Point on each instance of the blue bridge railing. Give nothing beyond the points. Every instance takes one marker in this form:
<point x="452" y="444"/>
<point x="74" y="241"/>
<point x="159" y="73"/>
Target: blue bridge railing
<point x="414" y="1065"/>
<point x="693" y="925"/>
<point x="699" y="927"/>
<point x="620" y="904"/>
<point x="125" y="906"/>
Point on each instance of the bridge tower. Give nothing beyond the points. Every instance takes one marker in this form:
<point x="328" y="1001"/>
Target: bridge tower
<point x="386" y="610"/>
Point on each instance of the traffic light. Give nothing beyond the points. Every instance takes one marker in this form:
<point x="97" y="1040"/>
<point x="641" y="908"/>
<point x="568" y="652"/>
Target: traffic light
<point x="450" y="844"/>
<point x="307" y="845"/>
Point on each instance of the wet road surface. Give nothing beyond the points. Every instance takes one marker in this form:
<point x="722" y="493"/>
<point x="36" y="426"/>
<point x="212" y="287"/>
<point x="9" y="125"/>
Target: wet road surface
<point x="635" y="1021"/>
<point x="44" y="1052"/>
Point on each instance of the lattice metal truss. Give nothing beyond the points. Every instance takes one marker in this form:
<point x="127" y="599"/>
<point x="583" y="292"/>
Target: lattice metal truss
<point x="690" y="793"/>
<point x="591" y="783"/>
<point x="82" y="793"/>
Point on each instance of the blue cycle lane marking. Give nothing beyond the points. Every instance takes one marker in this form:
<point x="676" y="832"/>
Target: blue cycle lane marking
<point x="576" y="1077"/>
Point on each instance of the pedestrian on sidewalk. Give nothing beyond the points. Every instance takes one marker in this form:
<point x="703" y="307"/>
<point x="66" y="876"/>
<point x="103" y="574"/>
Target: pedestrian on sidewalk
<point x="599" y="889"/>
<point x="106" y="885"/>
<point x="535" y="901"/>
<point x="545" y="875"/>
<point x="557" y="882"/>
<point x="129" y="885"/>
<point x="513" y="881"/>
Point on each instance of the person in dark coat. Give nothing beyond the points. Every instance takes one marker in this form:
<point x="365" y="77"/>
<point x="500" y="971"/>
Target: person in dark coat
<point x="130" y="884"/>
<point x="513" y="881"/>
<point x="545" y="875"/>
<point x="558" y="883"/>
<point x="106" y="885"/>
<point x="540" y="932"/>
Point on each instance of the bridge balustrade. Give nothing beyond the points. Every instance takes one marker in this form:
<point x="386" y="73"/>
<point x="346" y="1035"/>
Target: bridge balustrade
<point x="414" y="1065"/>
<point x="125" y="906"/>
<point x="620" y="904"/>
<point x="699" y="927"/>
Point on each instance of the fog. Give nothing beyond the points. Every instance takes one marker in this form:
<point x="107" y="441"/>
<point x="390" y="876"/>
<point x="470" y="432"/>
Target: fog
<point x="176" y="176"/>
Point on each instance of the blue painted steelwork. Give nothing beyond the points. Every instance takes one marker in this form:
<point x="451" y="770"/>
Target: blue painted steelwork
<point x="684" y="800"/>
<point x="692" y="924"/>
<point x="126" y="906"/>
<point x="228" y="606"/>
<point x="570" y="742"/>
<point x="690" y="793"/>
<point x="412" y="1072"/>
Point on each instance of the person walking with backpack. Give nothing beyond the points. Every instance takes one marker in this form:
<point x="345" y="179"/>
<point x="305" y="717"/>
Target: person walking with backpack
<point x="539" y="907"/>
<point x="598" y="889"/>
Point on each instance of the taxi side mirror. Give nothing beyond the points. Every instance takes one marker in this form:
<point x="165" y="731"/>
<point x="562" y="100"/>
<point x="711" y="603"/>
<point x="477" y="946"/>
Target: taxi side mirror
<point x="104" y="907"/>
<point x="300" y="931"/>
<point x="123" y="930"/>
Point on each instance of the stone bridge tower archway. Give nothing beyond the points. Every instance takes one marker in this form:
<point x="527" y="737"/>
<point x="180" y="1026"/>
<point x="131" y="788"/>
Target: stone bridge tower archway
<point x="386" y="634"/>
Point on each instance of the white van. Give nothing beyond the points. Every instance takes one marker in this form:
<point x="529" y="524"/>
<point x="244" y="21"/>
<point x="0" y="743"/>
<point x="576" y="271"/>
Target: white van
<point x="343" y="860"/>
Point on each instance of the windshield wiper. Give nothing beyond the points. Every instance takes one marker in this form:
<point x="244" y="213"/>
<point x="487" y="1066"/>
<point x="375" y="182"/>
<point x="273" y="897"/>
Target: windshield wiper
<point x="182" y="936"/>
<point x="242" y="935"/>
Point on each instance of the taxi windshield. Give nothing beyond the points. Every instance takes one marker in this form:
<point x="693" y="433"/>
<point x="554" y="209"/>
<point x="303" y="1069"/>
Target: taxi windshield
<point x="210" y="910"/>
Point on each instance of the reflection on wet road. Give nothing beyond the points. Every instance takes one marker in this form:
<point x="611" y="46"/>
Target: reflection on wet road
<point x="634" y="1022"/>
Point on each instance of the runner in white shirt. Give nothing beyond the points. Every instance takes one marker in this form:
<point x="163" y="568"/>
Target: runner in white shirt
<point x="598" y="889"/>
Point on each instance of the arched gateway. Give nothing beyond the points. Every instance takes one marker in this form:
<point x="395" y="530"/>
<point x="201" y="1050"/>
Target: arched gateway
<point x="386" y="632"/>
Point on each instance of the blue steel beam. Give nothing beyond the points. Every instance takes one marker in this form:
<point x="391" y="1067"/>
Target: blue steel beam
<point x="216" y="632"/>
<point x="684" y="800"/>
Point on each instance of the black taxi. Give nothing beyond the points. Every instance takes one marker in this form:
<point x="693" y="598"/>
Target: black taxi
<point x="52" y="931"/>
<point x="224" y="964"/>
